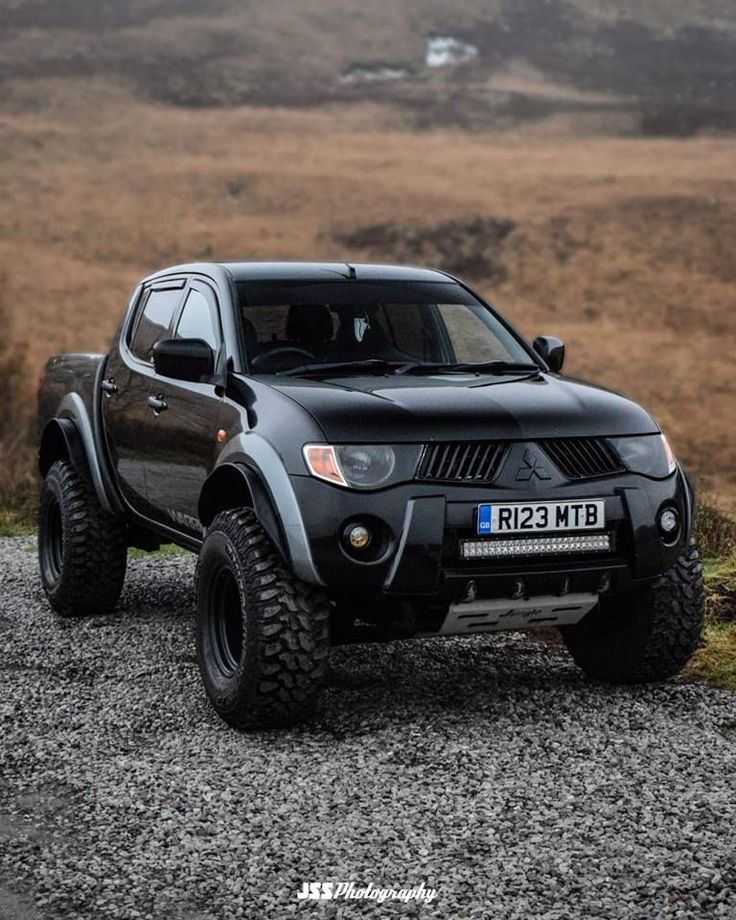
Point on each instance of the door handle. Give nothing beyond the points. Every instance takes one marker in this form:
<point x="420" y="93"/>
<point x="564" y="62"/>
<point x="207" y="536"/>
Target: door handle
<point x="158" y="404"/>
<point x="109" y="386"/>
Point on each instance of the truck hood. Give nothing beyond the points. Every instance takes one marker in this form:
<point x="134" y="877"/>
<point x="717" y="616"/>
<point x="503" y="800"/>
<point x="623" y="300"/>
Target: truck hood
<point x="418" y="409"/>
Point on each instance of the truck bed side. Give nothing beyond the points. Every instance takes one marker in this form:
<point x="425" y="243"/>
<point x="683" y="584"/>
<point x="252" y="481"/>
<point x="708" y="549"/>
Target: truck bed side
<point x="65" y="375"/>
<point x="71" y="391"/>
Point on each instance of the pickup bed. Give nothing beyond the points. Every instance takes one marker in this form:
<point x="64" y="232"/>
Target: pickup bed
<point x="360" y="452"/>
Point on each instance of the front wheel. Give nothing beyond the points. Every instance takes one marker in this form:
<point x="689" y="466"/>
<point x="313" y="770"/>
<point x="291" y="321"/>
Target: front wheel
<point x="262" y="635"/>
<point x="647" y="635"/>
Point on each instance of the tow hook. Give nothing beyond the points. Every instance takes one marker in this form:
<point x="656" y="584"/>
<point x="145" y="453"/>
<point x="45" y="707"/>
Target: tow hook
<point x="519" y="589"/>
<point x="470" y="593"/>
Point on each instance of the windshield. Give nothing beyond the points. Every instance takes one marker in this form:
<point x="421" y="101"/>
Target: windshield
<point x="293" y="326"/>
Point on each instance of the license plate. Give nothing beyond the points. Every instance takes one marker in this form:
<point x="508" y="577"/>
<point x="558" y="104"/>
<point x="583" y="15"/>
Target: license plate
<point x="541" y="516"/>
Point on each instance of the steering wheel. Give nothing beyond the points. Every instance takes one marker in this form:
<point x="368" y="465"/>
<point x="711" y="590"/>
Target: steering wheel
<point x="280" y="352"/>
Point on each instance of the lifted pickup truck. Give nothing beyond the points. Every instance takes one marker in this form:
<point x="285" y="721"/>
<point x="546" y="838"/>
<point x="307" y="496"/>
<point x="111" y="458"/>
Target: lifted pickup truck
<point x="360" y="451"/>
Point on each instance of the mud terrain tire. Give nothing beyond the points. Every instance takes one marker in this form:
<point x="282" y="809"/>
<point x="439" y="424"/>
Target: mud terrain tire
<point x="644" y="636"/>
<point x="262" y="634"/>
<point x="82" y="549"/>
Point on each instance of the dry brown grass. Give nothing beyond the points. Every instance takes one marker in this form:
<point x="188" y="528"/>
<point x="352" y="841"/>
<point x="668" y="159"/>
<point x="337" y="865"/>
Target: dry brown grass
<point x="17" y="473"/>
<point x="716" y="532"/>
<point x="624" y="247"/>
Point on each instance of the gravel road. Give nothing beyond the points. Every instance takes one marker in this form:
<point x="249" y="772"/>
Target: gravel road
<point x="487" y="769"/>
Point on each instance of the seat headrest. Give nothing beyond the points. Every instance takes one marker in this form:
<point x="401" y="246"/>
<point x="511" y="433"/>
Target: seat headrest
<point x="310" y="323"/>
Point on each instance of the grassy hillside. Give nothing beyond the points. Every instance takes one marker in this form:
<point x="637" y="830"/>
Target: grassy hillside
<point x="664" y="66"/>
<point x="621" y="246"/>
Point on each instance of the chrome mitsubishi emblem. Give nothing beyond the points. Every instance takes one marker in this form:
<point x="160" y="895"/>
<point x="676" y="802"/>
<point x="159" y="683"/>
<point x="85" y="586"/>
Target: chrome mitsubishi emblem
<point x="531" y="467"/>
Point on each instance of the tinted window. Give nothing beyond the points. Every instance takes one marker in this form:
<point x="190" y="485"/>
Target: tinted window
<point x="199" y="320"/>
<point x="154" y="322"/>
<point x="409" y="328"/>
<point x="355" y="321"/>
<point x="471" y="338"/>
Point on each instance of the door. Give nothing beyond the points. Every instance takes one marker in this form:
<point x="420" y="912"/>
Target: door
<point x="127" y="387"/>
<point x="184" y="434"/>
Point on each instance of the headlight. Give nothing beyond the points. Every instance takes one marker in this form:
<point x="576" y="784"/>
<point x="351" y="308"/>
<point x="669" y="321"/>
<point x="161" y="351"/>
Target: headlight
<point x="366" y="467"/>
<point x="648" y="454"/>
<point x="361" y="466"/>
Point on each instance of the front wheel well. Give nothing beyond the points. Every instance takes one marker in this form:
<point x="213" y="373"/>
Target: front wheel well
<point x="225" y="489"/>
<point x="235" y="485"/>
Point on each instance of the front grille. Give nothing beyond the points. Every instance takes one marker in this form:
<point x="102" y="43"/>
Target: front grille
<point x="460" y="461"/>
<point x="582" y="458"/>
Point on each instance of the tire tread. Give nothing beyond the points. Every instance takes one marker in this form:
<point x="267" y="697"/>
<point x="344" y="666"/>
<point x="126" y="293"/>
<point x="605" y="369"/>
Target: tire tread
<point x="653" y="640"/>
<point x="286" y="664"/>
<point x="95" y="547"/>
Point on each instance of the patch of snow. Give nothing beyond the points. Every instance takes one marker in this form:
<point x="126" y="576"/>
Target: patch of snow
<point x="446" y="51"/>
<point x="375" y="74"/>
<point x="724" y="25"/>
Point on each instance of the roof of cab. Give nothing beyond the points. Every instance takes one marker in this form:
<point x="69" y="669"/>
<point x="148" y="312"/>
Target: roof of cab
<point x="308" y="271"/>
<point x="325" y="271"/>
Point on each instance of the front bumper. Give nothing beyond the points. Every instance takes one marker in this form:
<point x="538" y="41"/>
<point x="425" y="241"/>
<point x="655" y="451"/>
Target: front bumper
<point x="427" y="523"/>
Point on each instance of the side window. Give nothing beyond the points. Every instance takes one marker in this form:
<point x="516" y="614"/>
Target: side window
<point x="199" y="320"/>
<point x="154" y="321"/>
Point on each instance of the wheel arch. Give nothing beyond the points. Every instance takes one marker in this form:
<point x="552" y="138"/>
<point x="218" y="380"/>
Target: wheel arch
<point x="69" y="434"/>
<point x="61" y="440"/>
<point x="236" y="485"/>
<point x="691" y="503"/>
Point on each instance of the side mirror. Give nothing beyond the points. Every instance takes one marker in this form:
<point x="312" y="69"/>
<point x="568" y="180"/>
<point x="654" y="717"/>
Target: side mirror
<point x="184" y="359"/>
<point x="552" y="350"/>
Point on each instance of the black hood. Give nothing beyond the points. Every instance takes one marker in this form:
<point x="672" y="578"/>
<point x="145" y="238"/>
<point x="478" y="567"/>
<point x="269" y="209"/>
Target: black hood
<point x="418" y="409"/>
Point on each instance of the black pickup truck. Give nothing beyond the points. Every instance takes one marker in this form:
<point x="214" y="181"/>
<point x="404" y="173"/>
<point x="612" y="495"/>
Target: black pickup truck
<point x="360" y="452"/>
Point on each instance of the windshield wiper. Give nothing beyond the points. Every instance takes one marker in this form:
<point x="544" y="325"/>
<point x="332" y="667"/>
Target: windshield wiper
<point x="381" y="366"/>
<point x="485" y="367"/>
<point x="367" y="366"/>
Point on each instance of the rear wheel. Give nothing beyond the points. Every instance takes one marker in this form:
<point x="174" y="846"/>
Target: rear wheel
<point x="262" y="635"/>
<point x="82" y="549"/>
<point x="646" y="635"/>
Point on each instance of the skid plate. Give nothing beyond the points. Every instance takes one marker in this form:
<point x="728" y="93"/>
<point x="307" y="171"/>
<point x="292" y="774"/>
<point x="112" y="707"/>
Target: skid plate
<point x="494" y="615"/>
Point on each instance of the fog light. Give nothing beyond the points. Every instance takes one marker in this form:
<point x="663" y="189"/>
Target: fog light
<point x="669" y="521"/>
<point x="357" y="536"/>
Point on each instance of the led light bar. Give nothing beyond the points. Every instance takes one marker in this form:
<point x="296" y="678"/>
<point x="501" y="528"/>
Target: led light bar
<point x="535" y="546"/>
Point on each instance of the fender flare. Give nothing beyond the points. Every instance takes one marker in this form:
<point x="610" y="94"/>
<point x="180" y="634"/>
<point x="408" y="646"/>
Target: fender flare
<point x="691" y="502"/>
<point x="237" y="485"/>
<point x="72" y="439"/>
<point x="61" y="440"/>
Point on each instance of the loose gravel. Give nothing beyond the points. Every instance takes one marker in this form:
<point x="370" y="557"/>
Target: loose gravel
<point x="488" y="769"/>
